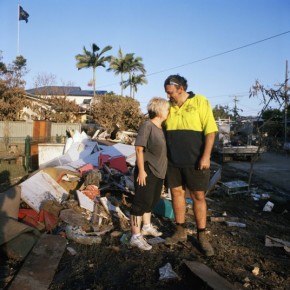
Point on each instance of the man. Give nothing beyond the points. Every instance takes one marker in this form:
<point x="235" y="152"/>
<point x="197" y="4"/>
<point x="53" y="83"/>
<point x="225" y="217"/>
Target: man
<point x="190" y="134"/>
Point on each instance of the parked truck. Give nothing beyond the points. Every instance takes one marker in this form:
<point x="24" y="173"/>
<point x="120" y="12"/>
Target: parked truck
<point x="237" y="140"/>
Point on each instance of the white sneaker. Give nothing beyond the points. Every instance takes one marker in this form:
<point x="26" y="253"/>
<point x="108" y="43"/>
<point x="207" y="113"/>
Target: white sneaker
<point x="151" y="231"/>
<point x="140" y="242"/>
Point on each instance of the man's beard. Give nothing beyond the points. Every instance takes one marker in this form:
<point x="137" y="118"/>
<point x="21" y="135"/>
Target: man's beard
<point x="172" y="101"/>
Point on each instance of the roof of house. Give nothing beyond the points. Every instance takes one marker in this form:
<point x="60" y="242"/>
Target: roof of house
<point x="64" y="90"/>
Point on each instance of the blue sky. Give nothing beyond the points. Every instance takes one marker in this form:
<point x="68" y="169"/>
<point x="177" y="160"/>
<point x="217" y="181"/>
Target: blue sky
<point x="172" y="37"/>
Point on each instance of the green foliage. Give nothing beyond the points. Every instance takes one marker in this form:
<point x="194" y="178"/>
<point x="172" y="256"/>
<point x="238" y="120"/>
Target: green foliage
<point x="12" y="91"/>
<point x="93" y="59"/>
<point x="221" y="112"/>
<point x="121" y="65"/>
<point x="128" y="64"/>
<point x="111" y="110"/>
<point x="134" y="82"/>
<point x="273" y="115"/>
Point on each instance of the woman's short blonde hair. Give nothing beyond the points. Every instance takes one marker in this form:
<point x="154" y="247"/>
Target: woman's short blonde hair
<point x="155" y="106"/>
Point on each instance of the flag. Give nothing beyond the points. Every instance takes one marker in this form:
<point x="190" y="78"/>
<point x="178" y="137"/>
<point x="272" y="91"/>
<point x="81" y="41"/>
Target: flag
<point x="23" y="15"/>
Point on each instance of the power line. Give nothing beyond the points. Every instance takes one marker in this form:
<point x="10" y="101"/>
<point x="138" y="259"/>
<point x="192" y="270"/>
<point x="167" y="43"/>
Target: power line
<point x="243" y="94"/>
<point x="212" y="56"/>
<point x="221" y="53"/>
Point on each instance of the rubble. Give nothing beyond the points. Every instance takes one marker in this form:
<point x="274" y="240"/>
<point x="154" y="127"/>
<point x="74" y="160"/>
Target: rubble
<point x="66" y="192"/>
<point x="86" y="193"/>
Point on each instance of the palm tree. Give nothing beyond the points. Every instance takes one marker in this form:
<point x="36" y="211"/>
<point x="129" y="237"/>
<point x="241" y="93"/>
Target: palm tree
<point x="120" y="65"/>
<point x="134" y="81"/>
<point x="93" y="59"/>
<point x="135" y="64"/>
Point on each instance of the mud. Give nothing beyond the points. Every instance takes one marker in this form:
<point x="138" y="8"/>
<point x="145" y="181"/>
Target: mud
<point x="113" y="264"/>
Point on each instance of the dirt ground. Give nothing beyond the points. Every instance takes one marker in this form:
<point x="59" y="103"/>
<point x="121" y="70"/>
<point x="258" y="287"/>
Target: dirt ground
<point x="113" y="264"/>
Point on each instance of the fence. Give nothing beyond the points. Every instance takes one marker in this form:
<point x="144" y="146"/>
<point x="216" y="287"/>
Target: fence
<point x="23" y="129"/>
<point x="13" y="134"/>
<point x="18" y="139"/>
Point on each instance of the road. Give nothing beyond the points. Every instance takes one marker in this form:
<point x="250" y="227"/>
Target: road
<point x="272" y="167"/>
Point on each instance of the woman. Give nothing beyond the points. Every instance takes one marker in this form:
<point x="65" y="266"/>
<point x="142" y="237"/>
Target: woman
<point x="150" y="169"/>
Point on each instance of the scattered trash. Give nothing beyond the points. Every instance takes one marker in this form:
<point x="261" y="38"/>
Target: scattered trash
<point x="41" y="187"/>
<point x="109" y="207"/>
<point x="164" y="208"/>
<point x="156" y="240"/>
<point x="235" y="187"/>
<point x="116" y="234"/>
<point x="265" y="195"/>
<point x="235" y="224"/>
<point x="223" y="219"/>
<point x="72" y="251"/>
<point x="191" y="232"/>
<point x="208" y="276"/>
<point x="78" y="235"/>
<point x="124" y="239"/>
<point x="247" y="282"/>
<point x="216" y="176"/>
<point x="275" y="242"/>
<point x="71" y="217"/>
<point x="85" y="202"/>
<point x="255" y="196"/>
<point x="268" y="206"/>
<point x="256" y="271"/>
<point x="188" y="200"/>
<point x="166" y="272"/>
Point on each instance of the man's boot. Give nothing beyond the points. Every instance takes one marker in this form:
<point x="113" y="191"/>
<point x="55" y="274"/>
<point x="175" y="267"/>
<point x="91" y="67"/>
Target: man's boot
<point x="205" y="244"/>
<point x="180" y="235"/>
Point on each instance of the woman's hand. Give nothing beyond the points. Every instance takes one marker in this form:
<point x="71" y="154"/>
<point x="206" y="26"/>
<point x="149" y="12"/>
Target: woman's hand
<point x="141" y="178"/>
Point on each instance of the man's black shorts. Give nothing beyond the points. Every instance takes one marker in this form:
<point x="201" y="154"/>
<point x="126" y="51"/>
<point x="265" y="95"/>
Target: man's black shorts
<point x="194" y="180"/>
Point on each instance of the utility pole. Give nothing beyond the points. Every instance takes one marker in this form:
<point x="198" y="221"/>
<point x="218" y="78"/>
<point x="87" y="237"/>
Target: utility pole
<point x="235" y="110"/>
<point x="285" y="103"/>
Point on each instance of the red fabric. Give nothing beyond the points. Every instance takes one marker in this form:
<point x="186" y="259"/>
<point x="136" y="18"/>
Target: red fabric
<point x="91" y="191"/>
<point x="50" y="220"/>
<point x="40" y="220"/>
<point x="103" y="158"/>
<point x="119" y="163"/>
<point x="86" y="167"/>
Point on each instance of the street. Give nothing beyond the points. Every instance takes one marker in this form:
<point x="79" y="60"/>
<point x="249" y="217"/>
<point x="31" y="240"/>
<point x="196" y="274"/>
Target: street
<point x="272" y="167"/>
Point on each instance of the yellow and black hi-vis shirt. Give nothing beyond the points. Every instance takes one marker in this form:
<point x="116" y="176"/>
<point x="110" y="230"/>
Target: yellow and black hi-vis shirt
<point x="186" y="127"/>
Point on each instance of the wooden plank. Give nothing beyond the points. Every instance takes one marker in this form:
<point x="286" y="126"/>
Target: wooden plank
<point x="209" y="276"/>
<point x="39" y="268"/>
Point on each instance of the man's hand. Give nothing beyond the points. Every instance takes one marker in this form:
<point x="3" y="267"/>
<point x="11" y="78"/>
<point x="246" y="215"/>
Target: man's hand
<point x="204" y="163"/>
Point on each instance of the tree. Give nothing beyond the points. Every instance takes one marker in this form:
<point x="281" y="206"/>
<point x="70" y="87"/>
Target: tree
<point x="44" y="80"/>
<point x="134" y="81"/>
<point x="134" y="65"/>
<point x="268" y="96"/>
<point x="93" y="59"/>
<point x="61" y="109"/>
<point x="120" y="65"/>
<point x="112" y="110"/>
<point x="12" y="92"/>
<point x="273" y="114"/>
<point x="221" y="112"/>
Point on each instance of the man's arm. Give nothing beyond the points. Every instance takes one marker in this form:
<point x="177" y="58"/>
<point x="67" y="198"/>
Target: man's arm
<point x="204" y="162"/>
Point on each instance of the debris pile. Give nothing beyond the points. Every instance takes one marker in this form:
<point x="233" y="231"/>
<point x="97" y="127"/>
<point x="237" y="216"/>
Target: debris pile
<point x="84" y="196"/>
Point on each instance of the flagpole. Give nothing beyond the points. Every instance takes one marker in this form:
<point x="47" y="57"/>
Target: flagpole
<point x="18" y="31"/>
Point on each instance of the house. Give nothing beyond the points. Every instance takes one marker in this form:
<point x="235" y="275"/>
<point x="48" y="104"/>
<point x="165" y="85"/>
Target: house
<point x="83" y="98"/>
